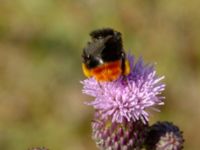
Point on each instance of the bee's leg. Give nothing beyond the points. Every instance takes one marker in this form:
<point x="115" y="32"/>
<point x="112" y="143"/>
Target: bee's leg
<point x="123" y="58"/>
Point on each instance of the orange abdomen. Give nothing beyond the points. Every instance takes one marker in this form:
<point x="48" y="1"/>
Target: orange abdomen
<point x="107" y="72"/>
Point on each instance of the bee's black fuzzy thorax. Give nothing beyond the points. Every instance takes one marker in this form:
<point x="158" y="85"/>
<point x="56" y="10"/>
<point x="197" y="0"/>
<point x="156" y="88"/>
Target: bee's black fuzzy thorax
<point x="105" y="46"/>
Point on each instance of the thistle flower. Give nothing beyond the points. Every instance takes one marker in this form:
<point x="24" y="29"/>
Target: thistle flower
<point x="128" y="97"/>
<point x="118" y="136"/>
<point x="164" y="136"/>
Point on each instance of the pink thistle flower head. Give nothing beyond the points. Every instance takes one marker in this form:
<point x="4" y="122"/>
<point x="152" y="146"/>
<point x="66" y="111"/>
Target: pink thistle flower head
<point x="128" y="97"/>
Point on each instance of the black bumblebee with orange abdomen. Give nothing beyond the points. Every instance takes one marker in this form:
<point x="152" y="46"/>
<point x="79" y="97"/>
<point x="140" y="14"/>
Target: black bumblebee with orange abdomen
<point x="104" y="57"/>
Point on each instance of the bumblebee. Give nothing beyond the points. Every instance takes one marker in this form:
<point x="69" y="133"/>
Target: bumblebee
<point x="104" y="57"/>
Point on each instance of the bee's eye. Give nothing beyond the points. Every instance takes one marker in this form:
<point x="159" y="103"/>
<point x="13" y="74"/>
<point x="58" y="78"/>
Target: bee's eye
<point x="88" y="56"/>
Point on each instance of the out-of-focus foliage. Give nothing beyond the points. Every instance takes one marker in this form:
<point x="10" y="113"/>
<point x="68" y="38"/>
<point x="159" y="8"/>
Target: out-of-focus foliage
<point x="41" y="103"/>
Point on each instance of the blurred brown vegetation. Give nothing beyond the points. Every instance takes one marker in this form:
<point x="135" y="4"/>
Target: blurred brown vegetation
<point x="41" y="103"/>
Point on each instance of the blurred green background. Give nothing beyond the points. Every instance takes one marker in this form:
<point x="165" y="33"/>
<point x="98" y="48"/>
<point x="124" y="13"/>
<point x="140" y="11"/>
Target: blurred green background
<point x="41" y="41"/>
